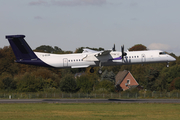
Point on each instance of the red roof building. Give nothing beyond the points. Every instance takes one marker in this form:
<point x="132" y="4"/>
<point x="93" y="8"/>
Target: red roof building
<point x="125" y="80"/>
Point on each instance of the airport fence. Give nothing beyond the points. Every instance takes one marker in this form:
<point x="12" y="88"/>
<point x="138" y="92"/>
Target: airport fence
<point x="122" y="95"/>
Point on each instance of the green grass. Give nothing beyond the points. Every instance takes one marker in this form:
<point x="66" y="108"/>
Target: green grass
<point x="89" y="111"/>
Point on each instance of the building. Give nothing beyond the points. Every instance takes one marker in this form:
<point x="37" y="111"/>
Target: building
<point x="125" y="80"/>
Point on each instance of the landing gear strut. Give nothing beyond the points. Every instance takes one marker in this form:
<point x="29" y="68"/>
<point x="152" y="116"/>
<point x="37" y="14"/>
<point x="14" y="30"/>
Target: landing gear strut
<point x="100" y="67"/>
<point x="167" y="64"/>
<point x="100" y="71"/>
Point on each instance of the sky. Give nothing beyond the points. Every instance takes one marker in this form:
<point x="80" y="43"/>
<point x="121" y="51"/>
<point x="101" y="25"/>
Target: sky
<point x="70" y="24"/>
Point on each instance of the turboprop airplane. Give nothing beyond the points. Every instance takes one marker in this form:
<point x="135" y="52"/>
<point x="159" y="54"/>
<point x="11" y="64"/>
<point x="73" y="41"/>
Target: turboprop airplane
<point x="88" y="58"/>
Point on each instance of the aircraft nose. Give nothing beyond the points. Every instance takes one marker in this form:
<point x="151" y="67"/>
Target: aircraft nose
<point x="171" y="59"/>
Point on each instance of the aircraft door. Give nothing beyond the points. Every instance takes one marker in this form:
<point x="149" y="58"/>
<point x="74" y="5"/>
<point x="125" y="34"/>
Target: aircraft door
<point x="65" y="62"/>
<point x="143" y="58"/>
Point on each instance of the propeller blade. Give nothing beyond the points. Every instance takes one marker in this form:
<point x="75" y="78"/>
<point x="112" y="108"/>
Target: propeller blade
<point x="114" y="49"/>
<point x="123" y="53"/>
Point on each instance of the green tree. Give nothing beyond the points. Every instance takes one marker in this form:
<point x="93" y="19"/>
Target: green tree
<point x="68" y="84"/>
<point x="108" y="76"/>
<point x="7" y="82"/>
<point x="85" y="83"/>
<point x="79" y="50"/>
<point x="106" y="85"/>
<point x="177" y="83"/>
<point x="50" y="49"/>
<point x="7" y="61"/>
<point x="152" y="75"/>
<point x="97" y="49"/>
<point x="30" y="83"/>
<point x="45" y="48"/>
<point x="139" y="73"/>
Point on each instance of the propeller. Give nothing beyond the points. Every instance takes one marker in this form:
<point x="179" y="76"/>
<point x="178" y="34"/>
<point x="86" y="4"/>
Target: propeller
<point x="123" y="53"/>
<point x="114" y="48"/>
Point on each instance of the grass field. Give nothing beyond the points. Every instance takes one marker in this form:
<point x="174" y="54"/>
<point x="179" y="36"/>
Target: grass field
<point x="89" y="111"/>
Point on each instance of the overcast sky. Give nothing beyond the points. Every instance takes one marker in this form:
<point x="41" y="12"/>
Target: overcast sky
<point x="70" y="24"/>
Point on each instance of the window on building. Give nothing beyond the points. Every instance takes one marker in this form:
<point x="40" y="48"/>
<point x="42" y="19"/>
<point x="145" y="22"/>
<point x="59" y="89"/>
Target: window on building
<point x="128" y="81"/>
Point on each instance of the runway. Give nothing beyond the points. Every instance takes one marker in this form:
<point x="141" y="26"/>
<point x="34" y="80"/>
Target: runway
<point x="89" y="100"/>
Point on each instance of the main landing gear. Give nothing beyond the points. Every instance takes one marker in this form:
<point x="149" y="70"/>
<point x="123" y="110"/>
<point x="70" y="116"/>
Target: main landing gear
<point x="99" y="71"/>
<point x="100" y="67"/>
<point x="92" y="70"/>
<point x="167" y="64"/>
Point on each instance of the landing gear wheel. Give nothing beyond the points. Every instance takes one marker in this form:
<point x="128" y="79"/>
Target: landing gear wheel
<point x="100" y="71"/>
<point x="92" y="70"/>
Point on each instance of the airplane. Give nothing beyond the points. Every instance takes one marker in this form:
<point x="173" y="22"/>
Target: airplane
<point x="88" y="58"/>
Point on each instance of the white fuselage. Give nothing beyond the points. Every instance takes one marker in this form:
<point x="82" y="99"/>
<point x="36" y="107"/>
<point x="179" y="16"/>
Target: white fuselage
<point x="90" y="59"/>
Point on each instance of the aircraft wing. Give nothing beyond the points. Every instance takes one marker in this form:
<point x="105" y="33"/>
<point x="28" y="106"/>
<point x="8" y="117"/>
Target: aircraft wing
<point x="103" y="53"/>
<point x="102" y="56"/>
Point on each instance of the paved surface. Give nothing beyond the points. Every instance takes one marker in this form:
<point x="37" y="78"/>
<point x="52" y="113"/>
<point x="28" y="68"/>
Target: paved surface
<point x="89" y="100"/>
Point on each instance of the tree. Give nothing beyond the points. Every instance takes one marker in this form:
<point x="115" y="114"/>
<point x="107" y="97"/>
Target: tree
<point x="97" y="49"/>
<point x="79" y="50"/>
<point x="85" y="83"/>
<point x="50" y="49"/>
<point x="30" y="83"/>
<point x="152" y="75"/>
<point x="177" y="83"/>
<point x="138" y="47"/>
<point x="45" y="48"/>
<point x="7" y="82"/>
<point x="108" y="76"/>
<point x="138" y="72"/>
<point x="7" y="61"/>
<point x="107" y="85"/>
<point x="68" y="84"/>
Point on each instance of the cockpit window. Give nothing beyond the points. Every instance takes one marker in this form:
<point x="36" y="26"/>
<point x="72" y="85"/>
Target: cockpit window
<point x="162" y="53"/>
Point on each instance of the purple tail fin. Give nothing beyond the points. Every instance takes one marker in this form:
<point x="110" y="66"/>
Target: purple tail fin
<point x="23" y="52"/>
<point x="20" y="48"/>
